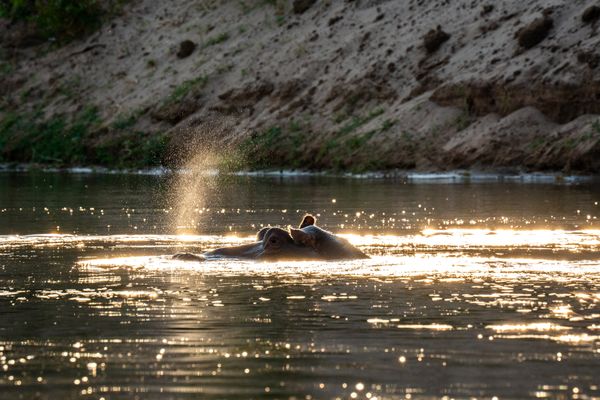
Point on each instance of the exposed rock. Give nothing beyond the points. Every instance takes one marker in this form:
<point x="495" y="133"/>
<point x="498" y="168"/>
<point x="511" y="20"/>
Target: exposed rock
<point x="186" y="48"/>
<point x="374" y="85"/>
<point x="289" y="90"/>
<point x="300" y="6"/>
<point x="572" y="147"/>
<point x="486" y="142"/>
<point x="489" y="27"/>
<point x="209" y="131"/>
<point x="243" y="99"/>
<point x="561" y="103"/>
<point x="434" y="39"/>
<point x="589" y="58"/>
<point x="173" y="113"/>
<point x="591" y="14"/>
<point x="535" y="32"/>
<point x="488" y="8"/>
<point x="251" y="93"/>
<point x="334" y="20"/>
<point x="426" y="67"/>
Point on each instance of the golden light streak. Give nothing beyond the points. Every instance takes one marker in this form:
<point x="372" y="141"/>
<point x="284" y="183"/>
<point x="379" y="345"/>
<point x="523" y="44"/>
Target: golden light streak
<point x="434" y="327"/>
<point x="535" y="326"/>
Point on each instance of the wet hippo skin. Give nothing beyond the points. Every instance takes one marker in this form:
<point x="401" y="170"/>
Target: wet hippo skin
<point x="273" y="244"/>
<point x="308" y="242"/>
<point x="327" y="245"/>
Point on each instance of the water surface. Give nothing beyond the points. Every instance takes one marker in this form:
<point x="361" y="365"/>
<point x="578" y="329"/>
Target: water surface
<point x="473" y="290"/>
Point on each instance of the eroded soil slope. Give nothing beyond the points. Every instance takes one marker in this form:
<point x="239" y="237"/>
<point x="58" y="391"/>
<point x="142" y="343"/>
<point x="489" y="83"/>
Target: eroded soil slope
<point x="354" y="85"/>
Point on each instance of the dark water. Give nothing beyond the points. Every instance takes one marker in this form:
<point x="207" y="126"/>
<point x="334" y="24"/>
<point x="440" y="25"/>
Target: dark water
<point x="474" y="290"/>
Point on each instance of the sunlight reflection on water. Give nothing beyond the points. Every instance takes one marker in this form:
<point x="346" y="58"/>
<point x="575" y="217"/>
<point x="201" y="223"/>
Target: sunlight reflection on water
<point x="440" y="300"/>
<point x="509" y="308"/>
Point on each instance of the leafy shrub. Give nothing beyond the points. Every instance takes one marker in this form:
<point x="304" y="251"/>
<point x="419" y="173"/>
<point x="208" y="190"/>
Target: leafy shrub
<point x="60" y="19"/>
<point x="28" y="137"/>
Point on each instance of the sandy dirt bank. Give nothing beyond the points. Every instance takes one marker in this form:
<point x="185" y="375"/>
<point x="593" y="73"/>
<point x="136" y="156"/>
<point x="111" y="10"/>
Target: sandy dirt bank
<point x="341" y="85"/>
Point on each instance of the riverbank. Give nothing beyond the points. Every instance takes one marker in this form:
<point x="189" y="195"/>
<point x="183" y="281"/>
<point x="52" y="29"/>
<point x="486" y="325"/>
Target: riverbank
<point x="456" y="176"/>
<point x="335" y="86"/>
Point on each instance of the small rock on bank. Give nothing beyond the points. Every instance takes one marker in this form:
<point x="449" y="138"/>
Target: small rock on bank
<point x="186" y="48"/>
<point x="535" y="32"/>
<point x="300" y="6"/>
<point x="434" y="39"/>
<point x="591" y="14"/>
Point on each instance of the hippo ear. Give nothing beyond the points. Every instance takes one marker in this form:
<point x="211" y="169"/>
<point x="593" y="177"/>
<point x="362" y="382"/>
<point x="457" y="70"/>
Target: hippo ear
<point x="303" y="238"/>
<point x="261" y="234"/>
<point x="308" y="220"/>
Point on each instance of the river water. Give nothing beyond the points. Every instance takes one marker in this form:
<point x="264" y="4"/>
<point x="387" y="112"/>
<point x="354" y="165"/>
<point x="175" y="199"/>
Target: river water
<point x="475" y="289"/>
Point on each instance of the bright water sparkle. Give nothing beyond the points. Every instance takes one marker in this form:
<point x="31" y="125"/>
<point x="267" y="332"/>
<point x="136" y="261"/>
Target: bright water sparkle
<point x="483" y="290"/>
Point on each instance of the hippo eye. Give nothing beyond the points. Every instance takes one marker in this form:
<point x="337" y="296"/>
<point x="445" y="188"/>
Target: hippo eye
<point x="274" y="242"/>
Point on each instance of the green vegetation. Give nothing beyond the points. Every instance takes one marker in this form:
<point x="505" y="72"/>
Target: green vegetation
<point x="286" y="146"/>
<point x="340" y="151"/>
<point x="358" y="121"/>
<point x="6" y="69"/>
<point x="81" y="139"/>
<point x="28" y="137"/>
<point x="126" y="120"/>
<point x="463" y="121"/>
<point x="343" y="153"/>
<point x="223" y="68"/>
<point x="60" y="19"/>
<point x="280" y="20"/>
<point x="186" y="87"/>
<point x="131" y="150"/>
<point x="259" y="150"/>
<point x="387" y="124"/>
<point x="356" y="142"/>
<point x="220" y="38"/>
<point x="301" y="50"/>
<point x="25" y="94"/>
<point x="596" y="127"/>
<point x="569" y="143"/>
<point x="409" y="142"/>
<point x="69" y="87"/>
<point x="536" y="143"/>
<point x="275" y="147"/>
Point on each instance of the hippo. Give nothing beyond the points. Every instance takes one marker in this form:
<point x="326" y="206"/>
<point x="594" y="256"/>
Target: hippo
<point x="327" y="245"/>
<point x="308" y="242"/>
<point x="272" y="244"/>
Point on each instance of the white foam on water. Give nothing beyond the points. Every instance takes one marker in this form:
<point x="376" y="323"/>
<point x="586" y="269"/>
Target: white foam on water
<point x="420" y="177"/>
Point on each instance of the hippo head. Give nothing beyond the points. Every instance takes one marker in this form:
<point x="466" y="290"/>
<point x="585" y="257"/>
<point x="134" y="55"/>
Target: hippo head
<point x="304" y="237"/>
<point x="309" y="242"/>
<point x="272" y="244"/>
<point x="308" y="220"/>
<point x="278" y="244"/>
<point x="327" y="245"/>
